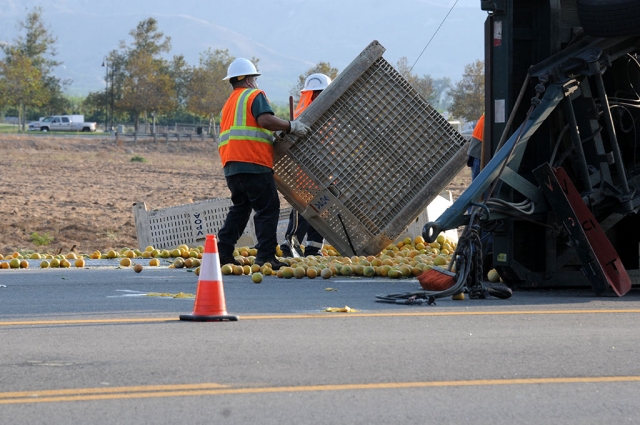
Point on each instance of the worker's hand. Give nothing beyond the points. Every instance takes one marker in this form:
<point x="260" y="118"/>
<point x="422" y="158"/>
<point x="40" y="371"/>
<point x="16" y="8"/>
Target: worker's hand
<point x="298" y="128"/>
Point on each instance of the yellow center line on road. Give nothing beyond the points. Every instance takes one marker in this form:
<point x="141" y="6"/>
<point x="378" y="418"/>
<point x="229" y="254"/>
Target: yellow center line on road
<point x="87" y="394"/>
<point x="91" y="321"/>
<point x="107" y="390"/>
<point x="325" y="316"/>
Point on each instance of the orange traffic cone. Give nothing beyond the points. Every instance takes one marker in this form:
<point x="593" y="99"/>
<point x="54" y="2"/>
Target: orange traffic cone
<point x="210" y="304"/>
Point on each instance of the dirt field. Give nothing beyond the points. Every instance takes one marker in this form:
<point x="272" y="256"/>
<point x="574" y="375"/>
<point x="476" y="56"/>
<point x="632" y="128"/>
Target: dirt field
<point x="80" y="191"/>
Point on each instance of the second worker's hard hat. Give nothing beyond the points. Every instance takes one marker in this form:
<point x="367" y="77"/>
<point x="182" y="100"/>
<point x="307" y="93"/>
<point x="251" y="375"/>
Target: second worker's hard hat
<point x="241" y="67"/>
<point x="316" y="82"/>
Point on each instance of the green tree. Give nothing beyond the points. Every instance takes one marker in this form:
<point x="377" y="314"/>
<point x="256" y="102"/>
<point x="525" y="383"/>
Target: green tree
<point x="117" y="60"/>
<point x="147" y="38"/>
<point x="320" y="68"/>
<point x="206" y="91"/>
<point x="468" y="94"/>
<point x="21" y="83"/>
<point x="58" y="102"/>
<point x="142" y="79"/>
<point x="93" y="106"/>
<point x="180" y="73"/>
<point x="147" y="87"/>
<point x="281" y="111"/>
<point x="441" y="97"/>
<point x="37" y="43"/>
<point x="423" y="85"/>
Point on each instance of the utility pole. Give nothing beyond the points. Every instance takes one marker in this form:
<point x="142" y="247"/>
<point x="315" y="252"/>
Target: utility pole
<point x="112" y="96"/>
<point x="105" y="63"/>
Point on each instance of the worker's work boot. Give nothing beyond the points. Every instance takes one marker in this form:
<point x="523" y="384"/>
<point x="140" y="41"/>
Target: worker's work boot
<point x="311" y="250"/>
<point x="228" y="259"/>
<point x="275" y="263"/>
<point x="286" y="250"/>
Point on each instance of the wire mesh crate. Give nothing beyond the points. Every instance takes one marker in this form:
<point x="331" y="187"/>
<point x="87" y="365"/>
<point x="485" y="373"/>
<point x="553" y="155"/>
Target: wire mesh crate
<point x="376" y="156"/>
<point x="439" y="205"/>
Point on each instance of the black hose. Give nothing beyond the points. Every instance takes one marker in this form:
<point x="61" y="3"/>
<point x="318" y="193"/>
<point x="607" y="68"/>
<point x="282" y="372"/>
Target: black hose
<point x="467" y="262"/>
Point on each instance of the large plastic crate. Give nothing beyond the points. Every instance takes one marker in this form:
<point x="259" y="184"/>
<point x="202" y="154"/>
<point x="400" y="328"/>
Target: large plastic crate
<point x="431" y="213"/>
<point x="188" y="224"/>
<point x="376" y="156"/>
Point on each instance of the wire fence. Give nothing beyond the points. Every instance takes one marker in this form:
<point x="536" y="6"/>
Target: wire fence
<point x="157" y="128"/>
<point x="128" y="129"/>
<point x="9" y="120"/>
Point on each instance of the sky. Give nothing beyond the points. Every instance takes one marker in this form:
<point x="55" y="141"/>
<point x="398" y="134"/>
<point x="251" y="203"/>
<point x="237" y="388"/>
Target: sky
<point x="289" y="36"/>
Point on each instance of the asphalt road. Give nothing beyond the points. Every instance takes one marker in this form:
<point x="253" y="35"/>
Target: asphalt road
<point x="90" y="346"/>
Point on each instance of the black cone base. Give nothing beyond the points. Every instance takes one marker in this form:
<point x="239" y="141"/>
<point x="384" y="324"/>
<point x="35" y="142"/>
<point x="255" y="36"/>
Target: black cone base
<point x="194" y="318"/>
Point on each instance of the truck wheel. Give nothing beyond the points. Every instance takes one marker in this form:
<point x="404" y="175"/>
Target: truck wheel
<point x="609" y="18"/>
<point x="85" y="129"/>
<point x="44" y="129"/>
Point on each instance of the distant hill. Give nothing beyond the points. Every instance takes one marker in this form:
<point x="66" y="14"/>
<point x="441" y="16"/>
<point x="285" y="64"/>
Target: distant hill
<point x="289" y="36"/>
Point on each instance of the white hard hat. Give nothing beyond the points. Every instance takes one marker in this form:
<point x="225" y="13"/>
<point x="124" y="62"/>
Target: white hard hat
<point x="240" y="67"/>
<point x="316" y="82"/>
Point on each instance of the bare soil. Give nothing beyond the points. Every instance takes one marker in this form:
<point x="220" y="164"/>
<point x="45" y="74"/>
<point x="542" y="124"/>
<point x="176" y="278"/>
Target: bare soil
<point x="80" y="190"/>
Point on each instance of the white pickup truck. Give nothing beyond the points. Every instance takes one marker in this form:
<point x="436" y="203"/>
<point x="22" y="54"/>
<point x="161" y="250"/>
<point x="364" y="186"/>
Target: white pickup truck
<point x="63" y="123"/>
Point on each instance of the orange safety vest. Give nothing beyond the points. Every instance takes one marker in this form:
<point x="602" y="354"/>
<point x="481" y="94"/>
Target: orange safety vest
<point x="305" y="100"/>
<point x="478" y="130"/>
<point x="241" y="137"/>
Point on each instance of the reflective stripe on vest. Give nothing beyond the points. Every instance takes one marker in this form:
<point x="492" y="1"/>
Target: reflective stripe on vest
<point x="241" y="138"/>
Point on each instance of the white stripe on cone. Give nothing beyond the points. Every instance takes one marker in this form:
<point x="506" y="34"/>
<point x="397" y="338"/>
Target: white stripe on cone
<point x="210" y="267"/>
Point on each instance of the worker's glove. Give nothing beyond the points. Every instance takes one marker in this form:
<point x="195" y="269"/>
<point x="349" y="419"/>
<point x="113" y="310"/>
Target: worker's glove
<point x="298" y="128"/>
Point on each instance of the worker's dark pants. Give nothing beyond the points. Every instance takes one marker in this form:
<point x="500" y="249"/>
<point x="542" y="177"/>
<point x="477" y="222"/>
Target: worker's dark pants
<point x="475" y="168"/>
<point x="304" y="228"/>
<point x="251" y="192"/>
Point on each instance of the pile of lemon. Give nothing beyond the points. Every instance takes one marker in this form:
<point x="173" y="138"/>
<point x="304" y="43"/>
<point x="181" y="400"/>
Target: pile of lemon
<point x="182" y="251"/>
<point x="407" y="258"/>
<point x="182" y="256"/>
<point x="17" y="262"/>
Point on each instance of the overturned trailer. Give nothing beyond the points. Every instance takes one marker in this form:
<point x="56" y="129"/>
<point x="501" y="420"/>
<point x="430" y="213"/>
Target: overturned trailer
<point x="557" y="197"/>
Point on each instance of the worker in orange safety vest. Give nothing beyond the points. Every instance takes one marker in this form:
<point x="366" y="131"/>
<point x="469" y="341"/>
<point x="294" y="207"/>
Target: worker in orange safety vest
<point x="298" y="227"/>
<point x="475" y="148"/>
<point x="246" y="151"/>
<point x="474" y="162"/>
